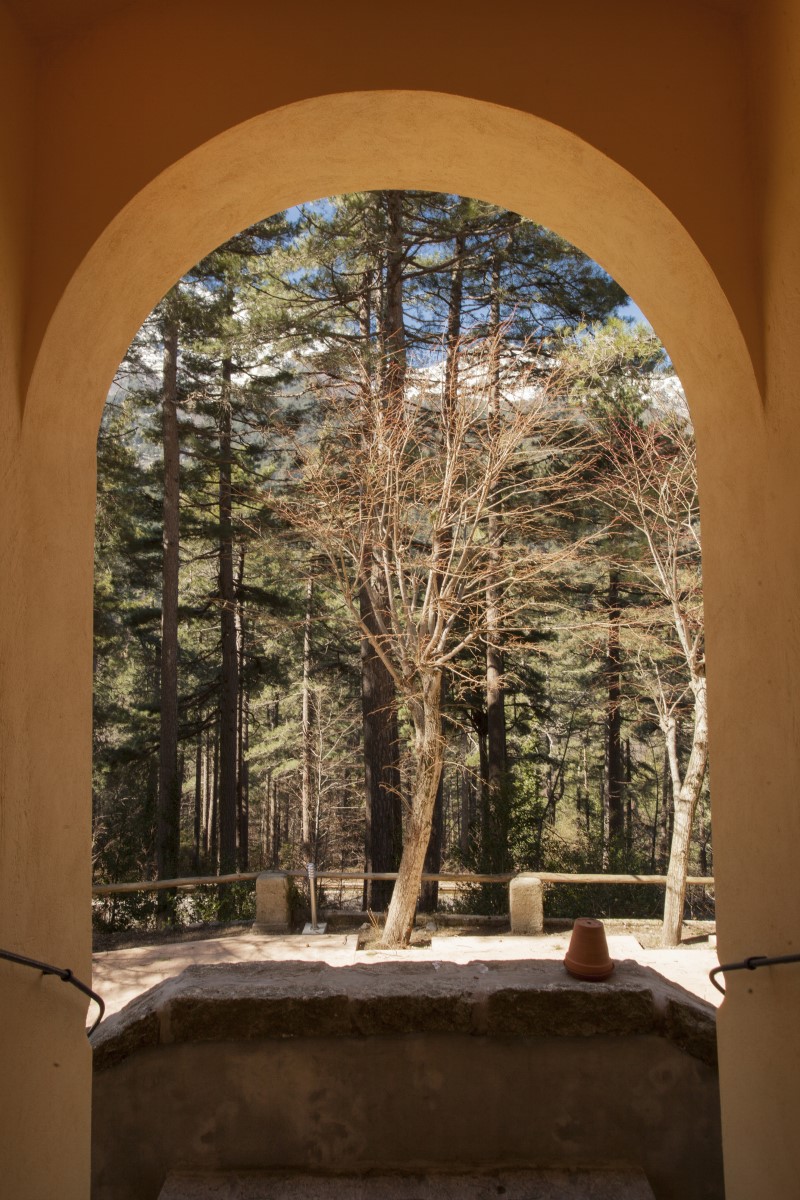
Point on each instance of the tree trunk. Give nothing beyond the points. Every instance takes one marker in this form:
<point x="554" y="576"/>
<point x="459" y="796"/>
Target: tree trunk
<point x="229" y="675"/>
<point x="394" y="331"/>
<point x="244" y="789"/>
<point x="215" y="802"/>
<point x="615" y="778"/>
<point x="206" y="823"/>
<point x="168" y="807"/>
<point x="242" y="815"/>
<point x="429" y="893"/>
<point x="429" y="747"/>
<point x="628" y="798"/>
<point x="308" y="749"/>
<point x="263" y="829"/>
<point x="383" y="804"/>
<point x="478" y="718"/>
<point x="606" y="842"/>
<point x="495" y="689"/>
<point x="198" y="800"/>
<point x="587" y="791"/>
<point x="465" y="795"/>
<point x="274" y="824"/>
<point x="384" y="812"/>
<point x="664" y="820"/>
<point x="685" y="804"/>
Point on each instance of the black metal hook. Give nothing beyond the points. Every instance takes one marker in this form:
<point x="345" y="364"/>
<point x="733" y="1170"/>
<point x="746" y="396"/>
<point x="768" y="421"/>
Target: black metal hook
<point x="64" y="974"/>
<point x="750" y="964"/>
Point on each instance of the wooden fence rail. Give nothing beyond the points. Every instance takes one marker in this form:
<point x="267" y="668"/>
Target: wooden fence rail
<point x="156" y="885"/>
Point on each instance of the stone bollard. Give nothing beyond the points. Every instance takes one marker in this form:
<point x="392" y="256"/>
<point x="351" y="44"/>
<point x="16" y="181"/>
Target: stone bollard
<point x="272" y="902"/>
<point x="525" y="902"/>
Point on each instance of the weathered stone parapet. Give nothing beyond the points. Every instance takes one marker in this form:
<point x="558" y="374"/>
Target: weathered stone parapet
<point x="547" y="1184"/>
<point x="272" y="902"/>
<point x="282" y="1066"/>
<point x="254" y="1001"/>
<point x="526" y="904"/>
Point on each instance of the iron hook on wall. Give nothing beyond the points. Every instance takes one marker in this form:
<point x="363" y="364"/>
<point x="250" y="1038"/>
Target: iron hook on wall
<point x="64" y="974"/>
<point x="750" y="964"/>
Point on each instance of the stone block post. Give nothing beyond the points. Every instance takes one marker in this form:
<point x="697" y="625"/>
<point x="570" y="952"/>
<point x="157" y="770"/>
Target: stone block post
<point x="272" y="902"/>
<point x="525" y="896"/>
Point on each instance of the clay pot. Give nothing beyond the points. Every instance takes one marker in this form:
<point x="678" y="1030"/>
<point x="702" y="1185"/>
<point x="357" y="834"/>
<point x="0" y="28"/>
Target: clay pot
<point x="587" y="957"/>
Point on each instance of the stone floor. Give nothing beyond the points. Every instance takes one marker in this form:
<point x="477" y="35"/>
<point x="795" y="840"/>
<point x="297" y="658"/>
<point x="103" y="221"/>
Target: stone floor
<point x="121" y="975"/>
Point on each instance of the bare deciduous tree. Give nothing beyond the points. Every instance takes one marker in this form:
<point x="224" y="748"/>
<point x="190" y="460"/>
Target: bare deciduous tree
<point x="400" y="497"/>
<point x="652" y="486"/>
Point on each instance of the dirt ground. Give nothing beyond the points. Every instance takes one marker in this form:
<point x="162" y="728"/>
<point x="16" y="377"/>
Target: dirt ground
<point x="646" y="932"/>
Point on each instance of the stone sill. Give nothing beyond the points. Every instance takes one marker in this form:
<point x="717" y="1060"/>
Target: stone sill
<point x="534" y="999"/>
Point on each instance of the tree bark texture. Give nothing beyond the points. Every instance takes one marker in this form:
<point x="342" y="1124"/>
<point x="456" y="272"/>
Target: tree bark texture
<point x="198" y="800"/>
<point x="242" y="810"/>
<point x="495" y="692"/>
<point x="383" y="805"/>
<point x="429" y="750"/>
<point x="308" y="749"/>
<point x="215" y="800"/>
<point x="686" y="795"/>
<point x="615" y="770"/>
<point x="229" y="675"/>
<point x="384" y="813"/>
<point x="394" y="331"/>
<point x="429" y="894"/>
<point x="168" y="807"/>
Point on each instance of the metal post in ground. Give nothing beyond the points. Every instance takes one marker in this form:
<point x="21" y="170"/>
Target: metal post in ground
<point x="313" y="927"/>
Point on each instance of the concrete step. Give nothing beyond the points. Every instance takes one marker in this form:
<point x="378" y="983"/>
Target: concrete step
<point x="510" y="1185"/>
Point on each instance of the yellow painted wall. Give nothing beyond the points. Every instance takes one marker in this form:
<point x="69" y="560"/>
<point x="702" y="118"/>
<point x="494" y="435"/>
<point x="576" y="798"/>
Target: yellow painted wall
<point x="661" y="91"/>
<point x="756" y="760"/>
<point x="44" y="1060"/>
<point x="663" y="139"/>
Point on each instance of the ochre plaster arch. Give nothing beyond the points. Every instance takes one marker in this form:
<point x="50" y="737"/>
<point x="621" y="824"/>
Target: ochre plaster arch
<point x="404" y="139"/>
<point x="400" y="139"/>
<point x="413" y="139"/>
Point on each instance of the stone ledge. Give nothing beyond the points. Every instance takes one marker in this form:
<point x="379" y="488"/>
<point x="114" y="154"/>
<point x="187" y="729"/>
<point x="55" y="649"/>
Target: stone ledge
<point x="601" y="1184"/>
<point x="689" y="1027"/>
<point x="256" y="1001"/>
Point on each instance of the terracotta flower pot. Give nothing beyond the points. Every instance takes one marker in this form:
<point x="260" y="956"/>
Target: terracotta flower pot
<point x="587" y="957"/>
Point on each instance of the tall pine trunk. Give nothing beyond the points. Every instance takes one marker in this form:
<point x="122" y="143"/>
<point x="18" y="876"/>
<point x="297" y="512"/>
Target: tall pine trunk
<point x="229" y="674"/>
<point x="308" y="749"/>
<point x="215" y="800"/>
<point x="384" y="814"/>
<point x="496" y="762"/>
<point x="383" y="804"/>
<point x="665" y="817"/>
<point x="429" y="895"/>
<point x="168" y="803"/>
<point x="615" y="770"/>
<point x="206" y="829"/>
<point x="465" y="794"/>
<point x="198" y="801"/>
<point x="242" y="813"/>
<point x="429" y="892"/>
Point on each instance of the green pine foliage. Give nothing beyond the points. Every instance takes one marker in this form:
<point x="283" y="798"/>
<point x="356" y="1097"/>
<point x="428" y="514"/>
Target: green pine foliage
<point x="289" y="304"/>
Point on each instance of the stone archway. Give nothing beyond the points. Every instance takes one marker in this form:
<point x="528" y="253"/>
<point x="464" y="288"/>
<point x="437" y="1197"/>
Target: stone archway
<point x="357" y="141"/>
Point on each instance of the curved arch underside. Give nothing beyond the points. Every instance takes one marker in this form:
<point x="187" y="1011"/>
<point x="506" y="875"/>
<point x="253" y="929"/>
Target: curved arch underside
<point x="748" y="473"/>
<point x="398" y="139"/>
